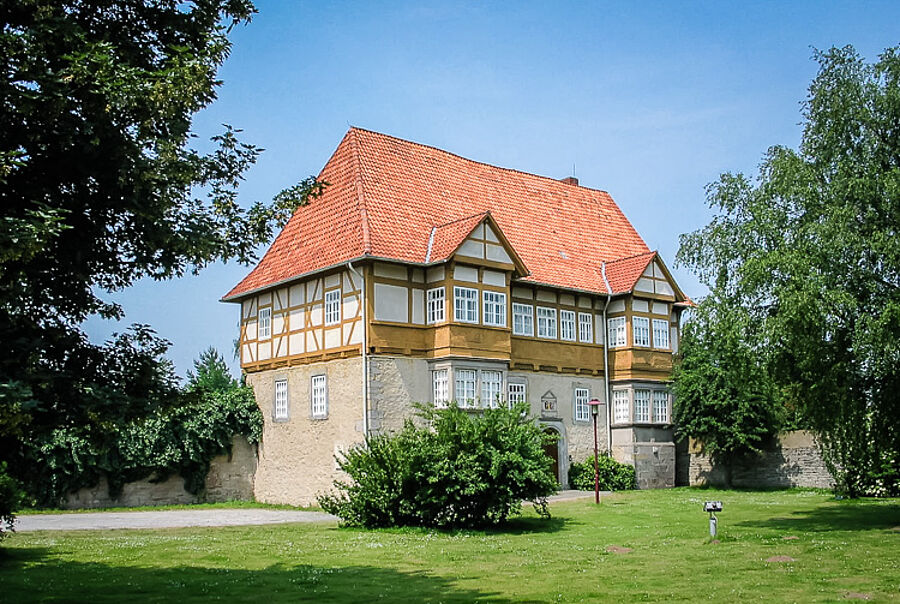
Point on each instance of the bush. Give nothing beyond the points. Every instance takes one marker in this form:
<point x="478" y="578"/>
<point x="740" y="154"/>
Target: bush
<point x="614" y="476"/>
<point x="463" y="470"/>
<point x="10" y="499"/>
<point x="180" y="439"/>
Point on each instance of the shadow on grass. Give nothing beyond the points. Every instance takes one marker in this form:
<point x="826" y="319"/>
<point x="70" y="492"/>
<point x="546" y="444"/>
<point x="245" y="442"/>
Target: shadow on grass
<point x="852" y="516"/>
<point x="514" y="526"/>
<point x="35" y="574"/>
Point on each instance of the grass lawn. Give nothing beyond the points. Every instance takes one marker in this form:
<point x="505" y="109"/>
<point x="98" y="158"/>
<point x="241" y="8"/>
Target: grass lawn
<point x="840" y="549"/>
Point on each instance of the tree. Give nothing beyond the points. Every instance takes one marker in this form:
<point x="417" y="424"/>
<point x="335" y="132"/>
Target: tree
<point x="723" y="395"/>
<point x="211" y="373"/>
<point x="810" y="253"/>
<point x="101" y="185"/>
<point x="462" y="470"/>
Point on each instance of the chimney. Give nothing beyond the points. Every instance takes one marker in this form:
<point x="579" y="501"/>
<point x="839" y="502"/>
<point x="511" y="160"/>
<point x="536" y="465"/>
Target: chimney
<point x="570" y="180"/>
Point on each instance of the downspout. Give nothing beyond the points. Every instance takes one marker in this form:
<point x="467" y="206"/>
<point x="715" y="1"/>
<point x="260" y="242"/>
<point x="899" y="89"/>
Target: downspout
<point x="365" y="352"/>
<point x="606" y="362"/>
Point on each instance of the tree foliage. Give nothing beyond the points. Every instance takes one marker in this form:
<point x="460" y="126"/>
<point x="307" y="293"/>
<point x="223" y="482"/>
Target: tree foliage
<point x="809" y="254"/>
<point x="462" y="470"/>
<point x="210" y="373"/>
<point x="102" y="184"/>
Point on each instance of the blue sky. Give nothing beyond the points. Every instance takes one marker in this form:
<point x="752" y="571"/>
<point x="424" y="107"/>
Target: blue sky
<point x="649" y="101"/>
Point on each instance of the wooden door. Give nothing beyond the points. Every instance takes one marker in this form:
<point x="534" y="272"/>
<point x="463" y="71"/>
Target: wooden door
<point x="552" y="451"/>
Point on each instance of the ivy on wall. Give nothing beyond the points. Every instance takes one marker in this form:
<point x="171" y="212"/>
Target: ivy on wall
<point x="178" y="439"/>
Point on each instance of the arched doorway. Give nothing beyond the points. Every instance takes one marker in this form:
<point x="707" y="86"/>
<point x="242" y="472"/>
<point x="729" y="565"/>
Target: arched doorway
<point x="551" y="450"/>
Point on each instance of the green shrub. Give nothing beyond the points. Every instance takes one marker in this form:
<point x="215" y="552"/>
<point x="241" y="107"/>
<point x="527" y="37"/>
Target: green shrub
<point x="614" y="476"/>
<point x="10" y="499"/>
<point x="463" y="470"/>
<point x="179" y="439"/>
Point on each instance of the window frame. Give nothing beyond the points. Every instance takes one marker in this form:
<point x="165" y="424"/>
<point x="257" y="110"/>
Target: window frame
<point x="267" y="323"/>
<point x="615" y="327"/>
<point x="621" y="397"/>
<point x="572" y="324"/>
<point x="500" y="302"/>
<point x="286" y="415"/>
<point x="492" y="402"/>
<point x="645" y="330"/>
<point x="432" y="301"/>
<point x="318" y="383"/>
<point x="665" y="405"/>
<point x="465" y="403"/>
<point x="518" y="384"/>
<point x="440" y="403"/>
<point x="579" y="404"/>
<point x="641" y="405"/>
<point x="589" y="325"/>
<point x="457" y="289"/>
<point x="518" y="306"/>
<point x="663" y="325"/>
<point x="549" y="320"/>
<point x="333" y="307"/>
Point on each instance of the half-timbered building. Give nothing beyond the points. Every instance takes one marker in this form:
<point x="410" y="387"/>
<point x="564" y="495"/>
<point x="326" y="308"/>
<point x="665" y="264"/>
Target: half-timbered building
<point x="422" y="276"/>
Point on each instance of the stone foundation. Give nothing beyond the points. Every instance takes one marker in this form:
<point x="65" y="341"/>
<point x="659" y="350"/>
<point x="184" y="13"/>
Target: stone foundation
<point x="793" y="460"/>
<point x="230" y="478"/>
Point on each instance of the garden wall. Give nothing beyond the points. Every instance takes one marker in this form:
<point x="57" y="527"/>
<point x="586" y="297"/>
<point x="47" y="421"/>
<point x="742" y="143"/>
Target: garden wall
<point x="793" y="460"/>
<point x="230" y="478"/>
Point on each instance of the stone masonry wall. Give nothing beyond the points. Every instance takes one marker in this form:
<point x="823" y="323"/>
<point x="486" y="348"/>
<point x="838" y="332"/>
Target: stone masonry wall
<point x="297" y="455"/>
<point x="651" y="452"/>
<point x="230" y="478"/>
<point x="792" y="461"/>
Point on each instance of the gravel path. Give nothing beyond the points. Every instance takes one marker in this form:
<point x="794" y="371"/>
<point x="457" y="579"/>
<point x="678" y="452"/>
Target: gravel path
<point x="164" y="519"/>
<point x="184" y="518"/>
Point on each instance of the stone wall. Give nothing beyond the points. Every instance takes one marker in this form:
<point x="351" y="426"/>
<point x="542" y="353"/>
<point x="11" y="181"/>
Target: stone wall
<point x="297" y="454"/>
<point x="793" y="460"/>
<point x="651" y="452"/>
<point x="230" y="478"/>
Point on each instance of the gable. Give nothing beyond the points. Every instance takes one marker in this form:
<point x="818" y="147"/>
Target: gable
<point x="483" y="244"/>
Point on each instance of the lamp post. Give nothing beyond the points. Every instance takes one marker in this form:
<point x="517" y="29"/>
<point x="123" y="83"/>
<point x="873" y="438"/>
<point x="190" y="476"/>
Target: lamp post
<point x="595" y="411"/>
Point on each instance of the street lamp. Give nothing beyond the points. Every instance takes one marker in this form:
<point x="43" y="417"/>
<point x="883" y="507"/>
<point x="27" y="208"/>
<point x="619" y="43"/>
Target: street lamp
<point x="595" y="411"/>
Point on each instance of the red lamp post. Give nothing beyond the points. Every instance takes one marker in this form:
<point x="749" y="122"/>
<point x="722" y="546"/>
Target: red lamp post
<point x="595" y="411"/>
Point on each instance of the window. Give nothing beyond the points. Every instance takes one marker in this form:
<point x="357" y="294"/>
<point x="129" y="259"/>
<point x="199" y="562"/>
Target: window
<point x="661" y="406"/>
<point x="265" y="323"/>
<point x="494" y="308"/>
<point x="585" y="327"/>
<point x="440" y="387"/>
<point x="616" y="328"/>
<point x="435" y="312"/>
<point x="546" y="322"/>
<point x="641" y="406"/>
<point x="660" y="333"/>
<point x="333" y="307"/>
<point x="491" y="388"/>
<point x="582" y="409"/>
<point x="281" y="399"/>
<point x="620" y="406"/>
<point x="465" y="387"/>
<point x="567" y="325"/>
<point x="640" y="329"/>
<point x="318" y="394"/>
<point x="515" y="393"/>
<point x="523" y="319"/>
<point x="465" y="304"/>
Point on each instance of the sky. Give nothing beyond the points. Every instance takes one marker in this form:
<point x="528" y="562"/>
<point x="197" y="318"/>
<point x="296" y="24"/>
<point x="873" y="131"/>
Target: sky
<point x="647" y="101"/>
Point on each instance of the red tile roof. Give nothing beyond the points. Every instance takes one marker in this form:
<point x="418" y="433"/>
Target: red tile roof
<point x="623" y="273"/>
<point x="446" y="238"/>
<point x="387" y="195"/>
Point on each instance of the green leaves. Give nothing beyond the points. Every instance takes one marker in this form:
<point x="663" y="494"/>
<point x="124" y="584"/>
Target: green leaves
<point x="804" y="271"/>
<point x="462" y="470"/>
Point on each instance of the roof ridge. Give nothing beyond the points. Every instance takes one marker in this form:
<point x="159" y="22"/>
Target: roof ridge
<point x="440" y="226"/>
<point x="475" y="161"/>
<point x="360" y="195"/>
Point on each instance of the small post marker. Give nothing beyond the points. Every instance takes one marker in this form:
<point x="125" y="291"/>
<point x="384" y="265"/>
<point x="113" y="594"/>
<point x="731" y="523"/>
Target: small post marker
<point x="712" y="507"/>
